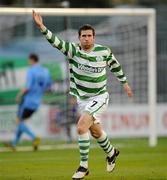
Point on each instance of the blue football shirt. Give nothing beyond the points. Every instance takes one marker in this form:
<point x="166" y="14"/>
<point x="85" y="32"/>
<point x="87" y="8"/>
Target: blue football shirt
<point x="37" y="82"/>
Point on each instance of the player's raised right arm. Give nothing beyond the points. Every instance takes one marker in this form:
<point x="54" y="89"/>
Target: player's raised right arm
<point x="38" y="20"/>
<point x="65" y="47"/>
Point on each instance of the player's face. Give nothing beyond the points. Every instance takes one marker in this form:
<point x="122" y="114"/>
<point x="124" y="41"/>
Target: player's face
<point x="86" y="39"/>
<point x="31" y="62"/>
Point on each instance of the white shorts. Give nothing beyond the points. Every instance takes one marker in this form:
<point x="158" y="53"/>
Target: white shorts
<point x="94" y="106"/>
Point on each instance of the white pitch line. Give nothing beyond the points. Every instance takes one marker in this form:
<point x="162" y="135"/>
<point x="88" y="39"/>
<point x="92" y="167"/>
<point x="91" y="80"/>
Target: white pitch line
<point x="49" y="147"/>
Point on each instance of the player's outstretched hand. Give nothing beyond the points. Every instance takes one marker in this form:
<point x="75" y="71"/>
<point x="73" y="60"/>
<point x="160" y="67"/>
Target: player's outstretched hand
<point x="38" y="19"/>
<point x="128" y="89"/>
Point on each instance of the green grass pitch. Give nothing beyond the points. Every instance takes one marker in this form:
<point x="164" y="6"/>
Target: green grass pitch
<point x="136" y="161"/>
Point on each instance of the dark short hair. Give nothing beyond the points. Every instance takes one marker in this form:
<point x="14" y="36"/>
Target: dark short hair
<point x="86" y="27"/>
<point x="34" y="57"/>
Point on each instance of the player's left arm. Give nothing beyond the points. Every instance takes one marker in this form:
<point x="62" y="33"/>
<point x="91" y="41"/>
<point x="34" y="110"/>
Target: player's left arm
<point x="20" y="95"/>
<point x="24" y="91"/>
<point x="48" y="87"/>
<point x="117" y="70"/>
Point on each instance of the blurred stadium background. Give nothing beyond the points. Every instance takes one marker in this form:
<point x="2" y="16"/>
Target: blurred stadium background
<point x="55" y="121"/>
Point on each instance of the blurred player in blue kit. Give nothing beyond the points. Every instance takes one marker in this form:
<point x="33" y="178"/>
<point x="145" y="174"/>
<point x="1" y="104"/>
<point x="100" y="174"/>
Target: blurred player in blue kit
<point x="29" y="99"/>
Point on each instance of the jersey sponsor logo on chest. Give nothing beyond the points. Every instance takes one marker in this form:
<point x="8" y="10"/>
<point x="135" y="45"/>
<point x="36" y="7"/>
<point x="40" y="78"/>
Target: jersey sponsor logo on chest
<point x="90" y="69"/>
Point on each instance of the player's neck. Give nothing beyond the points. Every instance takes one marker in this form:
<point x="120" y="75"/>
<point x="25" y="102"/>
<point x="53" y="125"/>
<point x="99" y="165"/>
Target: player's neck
<point x="87" y="49"/>
<point x="33" y="64"/>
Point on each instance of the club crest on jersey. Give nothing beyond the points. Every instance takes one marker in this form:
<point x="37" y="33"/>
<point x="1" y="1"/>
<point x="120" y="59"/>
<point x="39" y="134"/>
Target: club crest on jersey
<point x="99" y="58"/>
<point x="90" y="69"/>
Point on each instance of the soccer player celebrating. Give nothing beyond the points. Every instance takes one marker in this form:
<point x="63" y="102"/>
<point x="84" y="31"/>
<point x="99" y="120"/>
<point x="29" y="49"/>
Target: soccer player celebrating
<point x="87" y="65"/>
<point x="29" y="99"/>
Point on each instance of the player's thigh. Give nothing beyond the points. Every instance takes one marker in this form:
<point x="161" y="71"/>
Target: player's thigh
<point x="96" y="130"/>
<point x="85" y="122"/>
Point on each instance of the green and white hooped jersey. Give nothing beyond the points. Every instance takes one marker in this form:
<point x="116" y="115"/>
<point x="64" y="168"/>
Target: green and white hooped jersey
<point x="87" y="70"/>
